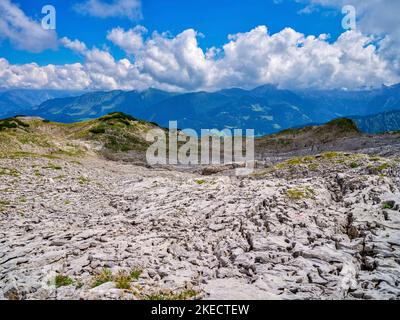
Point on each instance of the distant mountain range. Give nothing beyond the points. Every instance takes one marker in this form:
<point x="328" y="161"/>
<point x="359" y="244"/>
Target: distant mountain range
<point x="379" y="123"/>
<point x="267" y="109"/>
<point x="13" y="102"/>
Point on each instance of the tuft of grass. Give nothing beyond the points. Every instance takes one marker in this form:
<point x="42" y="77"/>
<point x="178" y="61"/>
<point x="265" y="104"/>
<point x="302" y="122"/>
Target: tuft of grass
<point x="382" y="167"/>
<point x="4" y="204"/>
<point x="354" y="165"/>
<point x="313" y="167"/>
<point x="135" y="274"/>
<point x="9" y="172"/>
<point x="330" y="155"/>
<point x="298" y="161"/>
<point x="103" y="277"/>
<point x="123" y="280"/>
<point x="300" y="193"/>
<point x="83" y="180"/>
<point x="388" y="205"/>
<point x="375" y="158"/>
<point x="38" y="173"/>
<point x="62" y="281"/>
<point x="23" y="200"/>
<point x="52" y="166"/>
<point x="200" y="182"/>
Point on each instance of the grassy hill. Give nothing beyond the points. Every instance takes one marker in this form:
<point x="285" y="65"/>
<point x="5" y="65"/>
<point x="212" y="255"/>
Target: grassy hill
<point x="110" y="136"/>
<point x="310" y="136"/>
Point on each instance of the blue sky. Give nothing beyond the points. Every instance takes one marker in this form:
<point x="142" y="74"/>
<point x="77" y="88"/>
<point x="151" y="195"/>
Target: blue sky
<point x="132" y="58"/>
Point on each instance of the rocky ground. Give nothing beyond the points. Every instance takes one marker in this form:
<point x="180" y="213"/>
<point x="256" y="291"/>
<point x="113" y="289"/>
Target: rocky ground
<point x="320" y="227"/>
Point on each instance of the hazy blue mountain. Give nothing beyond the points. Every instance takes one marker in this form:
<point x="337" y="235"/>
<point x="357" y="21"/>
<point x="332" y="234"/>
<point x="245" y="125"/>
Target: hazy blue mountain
<point x="379" y="123"/>
<point x="267" y="109"/>
<point x="13" y="102"/>
<point x="387" y="100"/>
<point x="96" y="104"/>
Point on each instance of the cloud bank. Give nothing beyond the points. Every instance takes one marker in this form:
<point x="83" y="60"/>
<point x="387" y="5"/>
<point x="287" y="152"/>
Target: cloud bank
<point x="288" y="59"/>
<point x="379" y="18"/>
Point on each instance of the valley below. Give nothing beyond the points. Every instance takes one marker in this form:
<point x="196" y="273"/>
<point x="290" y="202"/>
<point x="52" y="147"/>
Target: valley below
<point x="318" y="219"/>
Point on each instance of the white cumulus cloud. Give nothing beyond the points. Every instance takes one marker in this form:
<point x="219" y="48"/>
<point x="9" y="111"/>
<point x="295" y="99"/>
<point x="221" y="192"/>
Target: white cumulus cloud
<point x="379" y="18"/>
<point x="130" y="41"/>
<point x="288" y="58"/>
<point x="74" y="45"/>
<point x="23" y="32"/>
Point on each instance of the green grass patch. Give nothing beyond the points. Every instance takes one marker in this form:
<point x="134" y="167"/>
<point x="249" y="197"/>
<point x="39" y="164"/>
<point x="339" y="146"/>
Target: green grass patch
<point x="298" y="161"/>
<point x="300" y="193"/>
<point x="388" y="205"/>
<point x="354" y="165"/>
<point x="331" y="155"/>
<point x="313" y="166"/>
<point x="37" y="173"/>
<point x="52" y="166"/>
<point x="9" y="172"/>
<point x="103" y="277"/>
<point x="382" y="167"/>
<point x="62" y="281"/>
<point x="375" y="158"/>
<point x="135" y="273"/>
<point x="12" y="123"/>
<point x="123" y="280"/>
<point x="33" y="139"/>
<point x="23" y="154"/>
<point x="23" y="200"/>
<point x="4" y="204"/>
<point x="83" y="180"/>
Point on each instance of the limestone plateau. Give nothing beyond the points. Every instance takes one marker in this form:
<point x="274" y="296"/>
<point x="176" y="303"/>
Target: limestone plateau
<point x="83" y="217"/>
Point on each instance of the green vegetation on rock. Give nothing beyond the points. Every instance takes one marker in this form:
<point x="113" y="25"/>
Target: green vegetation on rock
<point x="299" y="193"/>
<point x="12" y="123"/>
<point x="103" y="277"/>
<point x="62" y="281"/>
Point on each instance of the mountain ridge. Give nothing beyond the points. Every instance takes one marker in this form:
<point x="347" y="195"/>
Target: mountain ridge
<point x="267" y="108"/>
